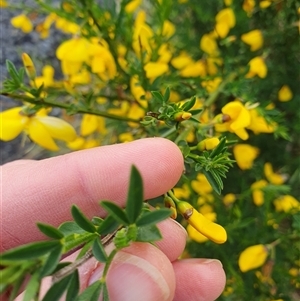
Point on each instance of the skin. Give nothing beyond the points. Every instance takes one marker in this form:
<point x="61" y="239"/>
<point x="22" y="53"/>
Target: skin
<point x="45" y="190"/>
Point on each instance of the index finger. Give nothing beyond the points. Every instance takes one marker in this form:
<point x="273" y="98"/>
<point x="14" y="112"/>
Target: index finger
<point x="45" y="190"/>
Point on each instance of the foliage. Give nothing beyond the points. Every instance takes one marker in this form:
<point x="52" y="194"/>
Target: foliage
<point x="218" y="78"/>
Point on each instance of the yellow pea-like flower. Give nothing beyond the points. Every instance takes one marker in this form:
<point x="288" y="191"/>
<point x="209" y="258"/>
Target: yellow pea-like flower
<point x="208" y="143"/>
<point x="244" y="155"/>
<point x="285" y="93"/>
<point x="211" y="230"/>
<point x="29" y="66"/>
<point x="253" y="257"/>
<point x="22" y="22"/>
<point x="254" y="39"/>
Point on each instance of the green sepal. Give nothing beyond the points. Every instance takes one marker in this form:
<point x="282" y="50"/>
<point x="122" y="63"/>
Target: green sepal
<point x="92" y="293"/>
<point x="196" y="111"/>
<point x="73" y="289"/>
<point x="50" y="231"/>
<point x="52" y="261"/>
<point x="153" y="217"/>
<point x="116" y="212"/>
<point x="30" y="251"/>
<point x="148" y="234"/>
<point x="98" y="251"/>
<point x="82" y="220"/>
<point x="135" y="198"/>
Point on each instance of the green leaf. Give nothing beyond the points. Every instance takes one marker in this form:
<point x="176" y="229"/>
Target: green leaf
<point x="69" y="228"/>
<point x="195" y="112"/>
<point x="84" y="249"/>
<point x="73" y="288"/>
<point x="167" y="95"/>
<point x="13" y="72"/>
<point x="30" y="251"/>
<point x="32" y="287"/>
<point x="109" y="225"/>
<point x="217" y="177"/>
<point x="184" y="147"/>
<point x="98" y="251"/>
<point x="116" y="212"/>
<point x="157" y="95"/>
<point x="57" y="289"/>
<point x="212" y="181"/>
<point x="91" y="293"/>
<point x="189" y="104"/>
<point x="153" y="217"/>
<point x="52" y="261"/>
<point x="50" y="231"/>
<point x="105" y="293"/>
<point x="16" y="288"/>
<point x="10" y="274"/>
<point x="135" y="198"/>
<point x="148" y="234"/>
<point x="82" y="220"/>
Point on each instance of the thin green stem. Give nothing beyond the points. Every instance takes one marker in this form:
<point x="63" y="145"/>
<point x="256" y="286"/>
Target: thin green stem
<point x="174" y="198"/>
<point x="69" y="107"/>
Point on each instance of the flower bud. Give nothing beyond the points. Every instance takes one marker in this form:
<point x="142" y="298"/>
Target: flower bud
<point x="29" y="66"/>
<point x="208" y="144"/>
<point x="181" y="116"/>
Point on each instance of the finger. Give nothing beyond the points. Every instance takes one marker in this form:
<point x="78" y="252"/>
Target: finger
<point x="45" y="190"/>
<point x="198" y="279"/>
<point x="138" y="272"/>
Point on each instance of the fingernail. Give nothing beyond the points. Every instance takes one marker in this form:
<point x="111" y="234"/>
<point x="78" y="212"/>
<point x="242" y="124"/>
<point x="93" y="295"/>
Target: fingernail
<point x="96" y="275"/>
<point x="210" y="261"/>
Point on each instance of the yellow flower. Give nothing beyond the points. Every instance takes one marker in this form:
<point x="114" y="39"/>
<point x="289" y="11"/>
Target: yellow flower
<point x="265" y="3"/>
<point x="272" y="177"/>
<point x="80" y="143"/>
<point x="43" y="28"/>
<point x="257" y="67"/>
<point x="47" y="77"/>
<point x="286" y="203"/>
<point x="244" y="155"/>
<point x="239" y="119"/>
<point x="182" y="192"/>
<point x="253" y="38"/>
<point x="126" y="137"/>
<point x="22" y="22"/>
<point x="142" y="35"/>
<point x="194" y="69"/>
<point x="132" y="6"/>
<point x="73" y="53"/>
<point x="229" y="199"/>
<point x="155" y="69"/>
<point x="258" y="123"/>
<point x="212" y="65"/>
<point x="3" y="3"/>
<point x="168" y="29"/>
<point x="66" y="26"/>
<point x="212" y="84"/>
<point x="165" y="54"/>
<point x="201" y="185"/>
<point x="285" y="93"/>
<point x="253" y="257"/>
<point x="225" y="20"/>
<point x="248" y="6"/>
<point x="208" y="143"/>
<point x="182" y="60"/>
<point x="211" y="230"/>
<point x="209" y="45"/>
<point x="41" y="129"/>
<point x="257" y="193"/>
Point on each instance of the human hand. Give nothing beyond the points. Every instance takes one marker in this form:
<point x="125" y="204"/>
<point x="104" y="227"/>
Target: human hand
<point x="44" y="191"/>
